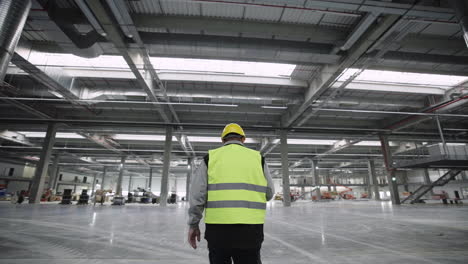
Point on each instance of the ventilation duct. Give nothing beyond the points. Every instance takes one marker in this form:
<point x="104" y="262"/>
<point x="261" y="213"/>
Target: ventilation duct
<point x="13" y="15"/>
<point x="67" y="35"/>
<point x="461" y="11"/>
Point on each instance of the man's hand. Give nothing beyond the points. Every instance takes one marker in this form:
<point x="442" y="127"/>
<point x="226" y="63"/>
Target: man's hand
<point x="194" y="233"/>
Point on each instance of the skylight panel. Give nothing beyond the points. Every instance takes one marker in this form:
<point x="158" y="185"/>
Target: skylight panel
<point x="224" y="66"/>
<point x="293" y="141"/>
<point x="169" y="64"/>
<point x="139" y="137"/>
<point x="70" y="60"/>
<point x="43" y="134"/>
<point x="409" y="78"/>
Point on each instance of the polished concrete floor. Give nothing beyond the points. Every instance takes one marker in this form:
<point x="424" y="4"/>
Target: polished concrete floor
<point x="334" y="232"/>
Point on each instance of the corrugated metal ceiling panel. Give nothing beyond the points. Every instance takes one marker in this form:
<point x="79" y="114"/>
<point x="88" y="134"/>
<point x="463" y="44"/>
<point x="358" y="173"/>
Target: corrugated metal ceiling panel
<point x="442" y="30"/>
<point x="145" y="7"/>
<point x="220" y="11"/>
<point x="336" y="20"/>
<point x="66" y="4"/>
<point x="271" y="14"/>
<point x="181" y="8"/>
<point x="301" y="16"/>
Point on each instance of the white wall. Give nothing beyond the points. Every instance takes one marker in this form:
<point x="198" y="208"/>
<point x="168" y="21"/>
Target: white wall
<point x="5" y="168"/>
<point x="20" y="171"/>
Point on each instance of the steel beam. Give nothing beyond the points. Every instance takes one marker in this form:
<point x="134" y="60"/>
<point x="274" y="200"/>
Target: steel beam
<point x="330" y="73"/>
<point x="166" y="166"/>
<point x="42" y="166"/>
<point x="330" y="7"/>
<point x="221" y="26"/>
<point x="54" y="78"/>
<point x="137" y="58"/>
<point x="285" y="168"/>
<point x="391" y="175"/>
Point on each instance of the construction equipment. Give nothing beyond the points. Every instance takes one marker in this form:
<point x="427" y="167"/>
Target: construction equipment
<point x="303" y="196"/>
<point x="46" y="196"/>
<point x="84" y="197"/>
<point x="67" y="196"/>
<point x="100" y="196"/>
<point x="326" y="195"/>
<point x="119" y="200"/>
<point x="344" y="194"/>
<point x="423" y="189"/>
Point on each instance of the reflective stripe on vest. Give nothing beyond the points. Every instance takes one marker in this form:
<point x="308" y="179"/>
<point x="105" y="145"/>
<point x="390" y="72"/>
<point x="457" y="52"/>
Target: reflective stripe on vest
<point x="236" y="186"/>
<point x="234" y="204"/>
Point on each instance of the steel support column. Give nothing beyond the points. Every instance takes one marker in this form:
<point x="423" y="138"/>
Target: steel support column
<point x="166" y="166"/>
<point x="103" y="181"/>
<point x="315" y="177"/>
<point x="285" y="168"/>
<point x="372" y="183"/>
<point x="150" y="183"/>
<point x="391" y="177"/>
<point x="53" y="173"/>
<point x="42" y="166"/>
<point x="93" y="185"/>
<point x="118" y="189"/>
<point x="130" y="183"/>
<point x="189" y="178"/>
<point x="56" y="180"/>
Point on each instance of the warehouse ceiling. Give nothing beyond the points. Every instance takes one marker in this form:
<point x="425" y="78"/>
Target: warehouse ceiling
<point x="334" y="74"/>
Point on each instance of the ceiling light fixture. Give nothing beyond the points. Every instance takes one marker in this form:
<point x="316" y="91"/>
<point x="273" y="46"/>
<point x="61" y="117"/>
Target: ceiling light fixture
<point x="274" y="107"/>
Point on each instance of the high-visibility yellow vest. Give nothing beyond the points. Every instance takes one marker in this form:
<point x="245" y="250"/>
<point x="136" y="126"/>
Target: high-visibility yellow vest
<point x="236" y="186"/>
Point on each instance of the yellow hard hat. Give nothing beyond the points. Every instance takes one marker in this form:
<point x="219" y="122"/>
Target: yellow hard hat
<point x="232" y="128"/>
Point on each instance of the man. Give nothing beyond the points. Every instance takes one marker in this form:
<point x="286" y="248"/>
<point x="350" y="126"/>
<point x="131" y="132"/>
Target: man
<point x="233" y="183"/>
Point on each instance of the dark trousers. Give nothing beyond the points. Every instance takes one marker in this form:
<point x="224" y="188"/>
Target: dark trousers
<point x="239" y="256"/>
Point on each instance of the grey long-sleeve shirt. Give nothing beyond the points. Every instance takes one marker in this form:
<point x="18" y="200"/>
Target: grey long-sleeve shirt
<point x="199" y="190"/>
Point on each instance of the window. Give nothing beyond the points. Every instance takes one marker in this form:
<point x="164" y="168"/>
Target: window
<point x="60" y="177"/>
<point x="11" y="171"/>
<point x="85" y="179"/>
